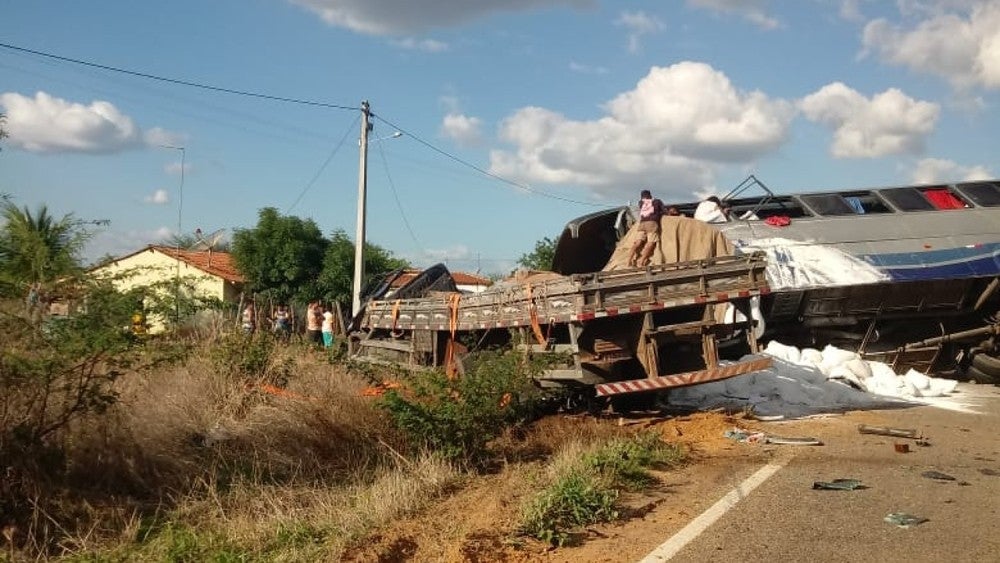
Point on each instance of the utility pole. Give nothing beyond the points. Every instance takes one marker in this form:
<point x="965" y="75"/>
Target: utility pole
<point x="359" y="236"/>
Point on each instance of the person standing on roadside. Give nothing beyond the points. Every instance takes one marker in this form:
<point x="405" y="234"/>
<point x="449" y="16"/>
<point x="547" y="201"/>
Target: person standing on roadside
<point x="282" y="323"/>
<point x="327" y="328"/>
<point x="249" y="319"/>
<point x="314" y="319"/>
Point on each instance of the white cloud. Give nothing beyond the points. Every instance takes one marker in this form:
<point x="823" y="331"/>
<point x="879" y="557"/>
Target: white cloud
<point x="389" y="17"/>
<point x="850" y="10"/>
<point x="158" y="197"/>
<point x="107" y="242"/>
<point x="48" y="124"/>
<point x="888" y="123"/>
<point x="638" y="24"/>
<point x="430" y="256"/>
<point x="752" y="10"/>
<point x="671" y="130"/>
<point x="962" y="47"/>
<point x="936" y="170"/>
<point x="463" y="129"/>
<point x="587" y="69"/>
<point x="174" y="168"/>
<point x="425" y="45"/>
<point x="158" y="137"/>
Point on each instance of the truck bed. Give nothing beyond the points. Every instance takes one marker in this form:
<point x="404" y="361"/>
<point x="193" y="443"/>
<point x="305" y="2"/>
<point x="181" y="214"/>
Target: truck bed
<point x="577" y="297"/>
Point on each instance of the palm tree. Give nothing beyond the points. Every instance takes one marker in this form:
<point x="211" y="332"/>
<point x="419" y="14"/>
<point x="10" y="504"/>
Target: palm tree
<point x="36" y="247"/>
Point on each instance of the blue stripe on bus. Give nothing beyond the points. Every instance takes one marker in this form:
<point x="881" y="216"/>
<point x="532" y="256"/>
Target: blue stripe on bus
<point x="981" y="267"/>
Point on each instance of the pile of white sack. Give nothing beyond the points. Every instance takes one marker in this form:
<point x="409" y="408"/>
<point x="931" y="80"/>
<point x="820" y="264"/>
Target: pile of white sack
<point x="809" y="381"/>
<point x="875" y="377"/>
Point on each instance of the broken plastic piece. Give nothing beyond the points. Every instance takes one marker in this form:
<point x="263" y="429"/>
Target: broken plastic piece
<point x="744" y="436"/>
<point x="792" y="440"/>
<point x="886" y="431"/>
<point x="839" y="485"/>
<point x="904" y="520"/>
<point x="937" y="475"/>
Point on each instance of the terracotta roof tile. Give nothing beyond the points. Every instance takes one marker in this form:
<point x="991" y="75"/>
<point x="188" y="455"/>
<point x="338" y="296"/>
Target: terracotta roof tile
<point x="461" y="278"/>
<point x="216" y="263"/>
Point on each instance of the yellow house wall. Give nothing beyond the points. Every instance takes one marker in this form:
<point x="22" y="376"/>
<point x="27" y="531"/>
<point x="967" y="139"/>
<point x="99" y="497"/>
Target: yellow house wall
<point x="150" y="266"/>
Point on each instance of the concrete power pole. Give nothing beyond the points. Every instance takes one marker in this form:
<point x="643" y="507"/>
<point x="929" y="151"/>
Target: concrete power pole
<point x="359" y="236"/>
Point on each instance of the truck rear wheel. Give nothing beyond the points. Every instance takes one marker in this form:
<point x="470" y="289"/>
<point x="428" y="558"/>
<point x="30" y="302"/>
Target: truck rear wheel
<point x="984" y="367"/>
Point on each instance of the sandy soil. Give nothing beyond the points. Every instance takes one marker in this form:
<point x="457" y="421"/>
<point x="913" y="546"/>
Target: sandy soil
<point x="477" y="523"/>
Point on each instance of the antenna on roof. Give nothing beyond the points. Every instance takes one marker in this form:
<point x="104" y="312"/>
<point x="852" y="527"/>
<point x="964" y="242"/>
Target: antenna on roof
<point x="209" y="242"/>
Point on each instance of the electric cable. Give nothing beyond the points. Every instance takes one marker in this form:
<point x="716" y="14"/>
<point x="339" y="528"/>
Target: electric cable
<point x="177" y="80"/>
<point x="482" y="171"/>
<point x="324" y="165"/>
<point x="395" y="195"/>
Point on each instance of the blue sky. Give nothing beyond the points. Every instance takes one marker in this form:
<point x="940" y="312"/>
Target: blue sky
<point x="569" y="105"/>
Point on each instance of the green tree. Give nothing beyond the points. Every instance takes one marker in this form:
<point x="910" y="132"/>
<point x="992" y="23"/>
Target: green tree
<point x="541" y="257"/>
<point x="37" y="247"/>
<point x="282" y="256"/>
<point x="336" y="282"/>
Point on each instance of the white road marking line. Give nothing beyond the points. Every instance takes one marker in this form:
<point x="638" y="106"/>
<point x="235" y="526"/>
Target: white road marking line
<point x="686" y="535"/>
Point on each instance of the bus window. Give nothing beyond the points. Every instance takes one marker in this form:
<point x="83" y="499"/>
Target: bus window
<point x="846" y="203"/>
<point x="907" y="199"/>
<point x="762" y="208"/>
<point x="986" y="194"/>
<point x="828" y="204"/>
<point x="943" y="198"/>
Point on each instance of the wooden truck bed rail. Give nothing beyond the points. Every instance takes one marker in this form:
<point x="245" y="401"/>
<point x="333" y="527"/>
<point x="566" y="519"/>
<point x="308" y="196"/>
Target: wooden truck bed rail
<point x="579" y="297"/>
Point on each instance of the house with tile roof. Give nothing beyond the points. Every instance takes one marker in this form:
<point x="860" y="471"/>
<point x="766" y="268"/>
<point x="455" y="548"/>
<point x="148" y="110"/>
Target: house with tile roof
<point x="210" y="274"/>
<point x="466" y="283"/>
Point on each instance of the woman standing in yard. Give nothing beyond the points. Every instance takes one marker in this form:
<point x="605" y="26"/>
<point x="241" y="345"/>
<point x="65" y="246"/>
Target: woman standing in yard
<point x="327" y="328"/>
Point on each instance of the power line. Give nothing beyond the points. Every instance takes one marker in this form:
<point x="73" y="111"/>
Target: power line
<point x="324" y="165"/>
<point x="483" y="171"/>
<point x="177" y="80"/>
<point x="395" y="195"/>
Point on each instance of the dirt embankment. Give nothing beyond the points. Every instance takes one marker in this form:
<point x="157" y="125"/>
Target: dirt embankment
<point x="479" y="522"/>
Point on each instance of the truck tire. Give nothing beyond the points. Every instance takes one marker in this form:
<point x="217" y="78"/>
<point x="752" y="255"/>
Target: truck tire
<point x="987" y="365"/>
<point x="979" y="377"/>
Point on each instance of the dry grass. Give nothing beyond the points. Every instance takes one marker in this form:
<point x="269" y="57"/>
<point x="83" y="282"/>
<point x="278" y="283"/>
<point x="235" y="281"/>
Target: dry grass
<point x="194" y="463"/>
<point x="193" y="460"/>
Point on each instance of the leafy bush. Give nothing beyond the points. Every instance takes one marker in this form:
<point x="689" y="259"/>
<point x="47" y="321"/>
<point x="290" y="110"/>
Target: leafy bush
<point x="576" y="499"/>
<point x="459" y="416"/>
<point x="624" y="461"/>
<point x="586" y="492"/>
<point x="251" y="358"/>
<point x="51" y="377"/>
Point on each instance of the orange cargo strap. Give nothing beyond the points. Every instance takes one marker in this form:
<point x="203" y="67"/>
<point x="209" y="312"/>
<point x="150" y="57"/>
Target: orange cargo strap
<point x="395" y="317"/>
<point x="533" y="316"/>
<point x="278" y="391"/>
<point x="450" y="367"/>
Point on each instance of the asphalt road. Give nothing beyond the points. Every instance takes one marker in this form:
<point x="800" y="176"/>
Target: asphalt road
<point x="785" y="519"/>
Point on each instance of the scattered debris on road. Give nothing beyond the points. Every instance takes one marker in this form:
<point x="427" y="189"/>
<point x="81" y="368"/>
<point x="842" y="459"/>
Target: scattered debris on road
<point x="904" y="520"/>
<point x="746" y="437"/>
<point x="839" y="485"/>
<point x="887" y="431"/>
<point x="937" y="475"/>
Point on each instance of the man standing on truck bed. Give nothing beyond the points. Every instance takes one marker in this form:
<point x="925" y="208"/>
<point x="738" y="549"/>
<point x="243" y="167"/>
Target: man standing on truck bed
<point x="648" y="230"/>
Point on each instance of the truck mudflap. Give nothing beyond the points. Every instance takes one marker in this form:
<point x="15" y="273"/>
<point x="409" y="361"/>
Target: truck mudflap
<point x="681" y="379"/>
